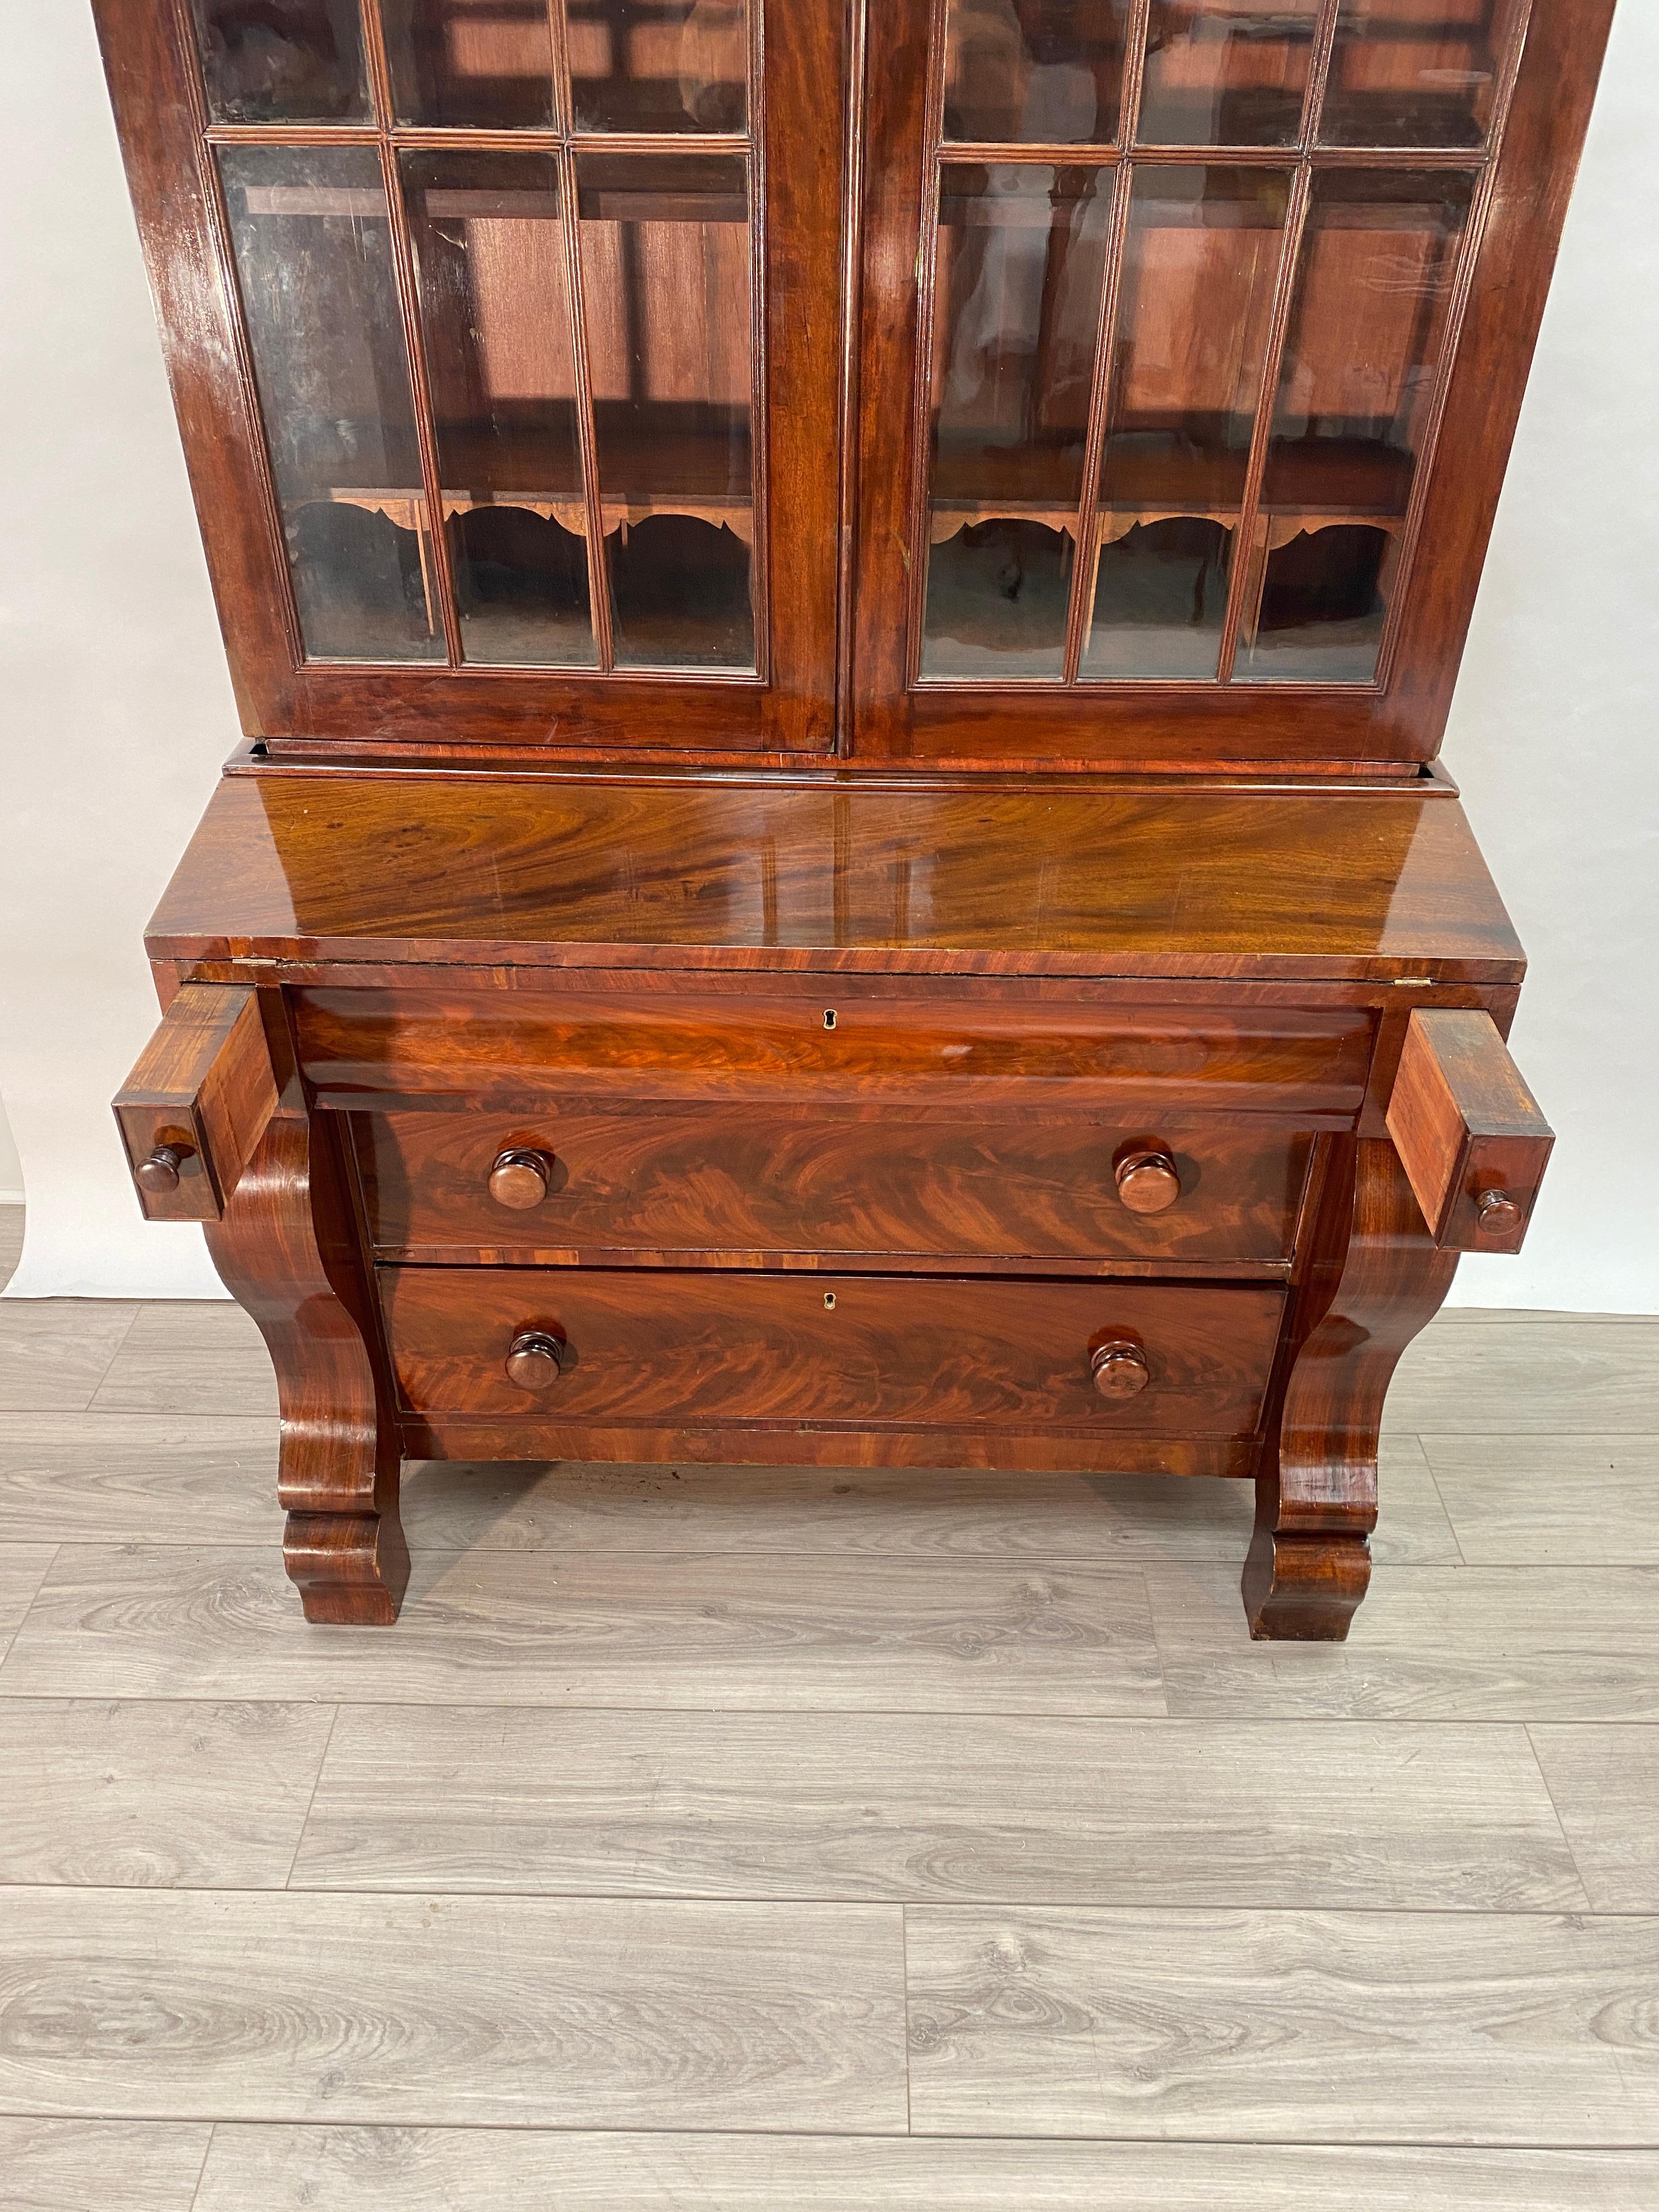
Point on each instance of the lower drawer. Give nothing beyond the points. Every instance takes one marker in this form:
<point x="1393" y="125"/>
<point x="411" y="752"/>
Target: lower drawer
<point x="662" y="1348"/>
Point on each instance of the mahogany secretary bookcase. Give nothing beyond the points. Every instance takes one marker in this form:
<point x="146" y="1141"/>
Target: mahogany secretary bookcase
<point x="843" y="615"/>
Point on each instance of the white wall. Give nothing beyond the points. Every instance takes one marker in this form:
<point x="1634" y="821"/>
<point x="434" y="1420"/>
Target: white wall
<point x="11" y="1168"/>
<point x="118" y="712"/>
<point x="1554" y="735"/>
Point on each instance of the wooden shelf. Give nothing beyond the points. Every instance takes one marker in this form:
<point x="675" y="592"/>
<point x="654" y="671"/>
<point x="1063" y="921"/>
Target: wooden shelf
<point x="1317" y="482"/>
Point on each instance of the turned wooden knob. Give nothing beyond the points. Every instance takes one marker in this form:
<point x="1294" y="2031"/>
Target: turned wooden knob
<point x="159" y="1173"/>
<point x="1120" y="1370"/>
<point x="520" y="1178"/>
<point x="535" y="1359"/>
<point x="1496" y="1214"/>
<point x="1148" y="1183"/>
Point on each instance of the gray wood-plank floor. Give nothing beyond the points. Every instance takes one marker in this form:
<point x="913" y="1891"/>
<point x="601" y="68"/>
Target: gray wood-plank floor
<point x="722" y="1841"/>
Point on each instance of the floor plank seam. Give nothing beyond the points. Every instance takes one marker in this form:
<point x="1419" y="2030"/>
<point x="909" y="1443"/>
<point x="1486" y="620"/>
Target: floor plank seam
<point x="1159" y="1646"/>
<point x="794" y="1713"/>
<point x="396" y="1706"/>
<point x="904" y="1962"/>
<point x="201" y="2170"/>
<point x="1470" y="2145"/>
<point x="316" y="1779"/>
<point x="120" y="1346"/>
<point x="1543" y="1776"/>
<point x="1211" y="1909"/>
<point x="1462" y="1558"/>
<point x="51" y="1551"/>
<point x="1058" y="1563"/>
<point x="1523" y="1436"/>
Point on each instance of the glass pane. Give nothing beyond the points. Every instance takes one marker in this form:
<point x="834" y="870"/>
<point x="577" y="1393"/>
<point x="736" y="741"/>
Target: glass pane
<point x="313" y="254"/>
<point x="1016" y="320"/>
<point x="1362" y="358"/>
<point x="659" y="65"/>
<point x="1034" y="72"/>
<point x="665" y="280"/>
<point x="1226" y="72"/>
<point x="1416" y="72"/>
<point x="480" y="64"/>
<point x="1200" y="264"/>
<point x="281" y="61"/>
<point x="495" y="322"/>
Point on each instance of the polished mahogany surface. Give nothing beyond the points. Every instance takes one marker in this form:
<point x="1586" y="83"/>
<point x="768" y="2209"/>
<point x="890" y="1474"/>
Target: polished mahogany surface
<point x="799" y="1182"/>
<point x="841" y="611"/>
<point x="492" y="369"/>
<point x="1239" y="511"/>
<point x="642" y="1350"/>
<point x="755" y="1044"/>
<point x="193" y="1110"/>
<point x="1372" y="1277"/>
<point x="838" y="875"/>
<point x="1079" y="384"/>
<point x="1468" y="1131"/>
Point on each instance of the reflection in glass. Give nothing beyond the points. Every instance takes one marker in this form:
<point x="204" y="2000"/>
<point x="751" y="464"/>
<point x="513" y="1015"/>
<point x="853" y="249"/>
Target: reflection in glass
<point x="313" y="256"/>
<point x="1200" y="259"/>
<point x="665" y="276"/>
<point x="1361" y="358"/>
<point x="1225" y="72"/>
<point x="1034" y="72"/>
<point x="1416" y="72"/>
<point x="659" y="65"/>
<point x="476" y="63"/>
<point x="1017" y="306"/>
<point x="281" y="61"/>
<point x="1160" y="600"/>
<point x="496" y="325"/>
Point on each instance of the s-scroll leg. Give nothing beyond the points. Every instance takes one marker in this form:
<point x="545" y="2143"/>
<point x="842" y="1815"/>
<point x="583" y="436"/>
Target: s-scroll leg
<point x="1376" y="1279"/>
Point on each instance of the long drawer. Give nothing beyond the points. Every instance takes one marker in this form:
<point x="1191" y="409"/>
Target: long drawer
<point x="570" y="1181"/>
<point x="844" y="1042"/>
<point x="655" y="1349"/>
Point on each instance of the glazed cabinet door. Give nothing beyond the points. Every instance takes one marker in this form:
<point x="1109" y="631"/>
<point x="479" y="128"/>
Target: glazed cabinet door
<point x="505" y="337"/>
<point x="1192" y="340"/>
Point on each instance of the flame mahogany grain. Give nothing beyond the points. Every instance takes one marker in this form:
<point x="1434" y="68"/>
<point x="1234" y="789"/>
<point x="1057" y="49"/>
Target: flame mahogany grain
<point x="830" y="999"/>
<point x="1376" y="1278"/>
<point x="1133" y="725"/>
<point x="288" y="1249"/>
<point x="791" y="710"/>
<point x="723" y="1155"/>
<point x="1468" y="1131"/>
<point x="646" y="1349"/>
<point x="804" y="1181"/>
<point x="757" y="1050"/>
<point x="195" y="1107"/>
<point x="913" y="879"/>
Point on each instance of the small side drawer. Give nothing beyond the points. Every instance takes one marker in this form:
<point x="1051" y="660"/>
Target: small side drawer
<point x="650" y="1349"/>
<point x="569" y="1183"/>
<point x="1468" y="1131"/>
<point x="194" y="1108"/>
